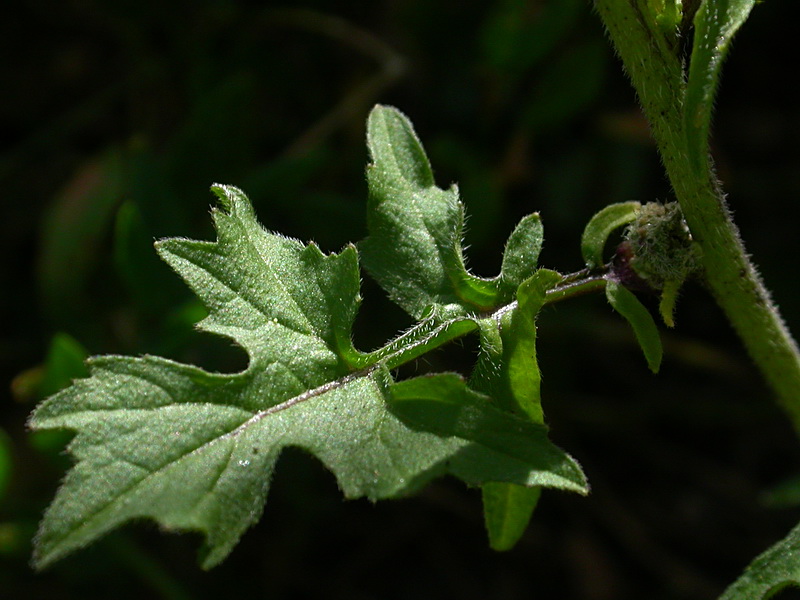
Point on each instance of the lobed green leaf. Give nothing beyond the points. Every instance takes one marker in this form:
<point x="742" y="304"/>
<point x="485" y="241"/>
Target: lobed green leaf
<point x="195" y="450"/>
<point x="175" y="443"/>
<point x="415" y="228"/>
<point x="414" y="248"/>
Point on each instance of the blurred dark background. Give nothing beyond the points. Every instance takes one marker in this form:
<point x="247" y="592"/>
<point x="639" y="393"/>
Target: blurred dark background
<point x="117" y="116"/>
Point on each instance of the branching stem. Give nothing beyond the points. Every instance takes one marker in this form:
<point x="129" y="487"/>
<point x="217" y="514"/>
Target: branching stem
<point x="657" y="73"/>
<point x="434" y="332"/>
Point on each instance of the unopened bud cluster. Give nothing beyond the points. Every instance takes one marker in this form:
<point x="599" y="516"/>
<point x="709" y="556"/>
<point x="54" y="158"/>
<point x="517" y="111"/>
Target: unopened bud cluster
<point x="660" y="245"/>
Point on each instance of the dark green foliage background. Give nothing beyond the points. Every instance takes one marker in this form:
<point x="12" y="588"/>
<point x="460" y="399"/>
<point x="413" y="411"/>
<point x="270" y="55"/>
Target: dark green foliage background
<point x="116" y="118"/>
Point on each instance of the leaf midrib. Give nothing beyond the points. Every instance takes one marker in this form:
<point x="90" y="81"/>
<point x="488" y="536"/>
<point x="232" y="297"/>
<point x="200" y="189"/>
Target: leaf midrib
<point x="255" y="418"/>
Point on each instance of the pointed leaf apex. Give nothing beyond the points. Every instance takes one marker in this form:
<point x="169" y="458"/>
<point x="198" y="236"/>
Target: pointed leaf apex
<point x="522" y="250"/>
<point x="395" y="148"/>
<point x="640" y="320"/>
<point x="232" y="200"/>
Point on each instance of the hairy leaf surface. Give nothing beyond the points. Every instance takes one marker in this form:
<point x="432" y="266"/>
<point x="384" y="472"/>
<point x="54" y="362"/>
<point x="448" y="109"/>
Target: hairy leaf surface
<point x="644" y="327"/>
<point x="415" y="229"/>
<point x="775" y="569"/>
<point x="196" y="450"/>
<point x="716" y="22"/>
<point x="508" y="371"/>
<point x="602" y="225"/>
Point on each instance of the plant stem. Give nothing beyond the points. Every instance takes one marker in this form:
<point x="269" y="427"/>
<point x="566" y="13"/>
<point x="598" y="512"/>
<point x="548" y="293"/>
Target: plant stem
<point x="571" y="289"/>
<point x="650" y="57"/>
<point x="432" y="333"/>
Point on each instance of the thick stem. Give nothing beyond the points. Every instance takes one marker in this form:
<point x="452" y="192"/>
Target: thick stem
<point x="653" y="64"/>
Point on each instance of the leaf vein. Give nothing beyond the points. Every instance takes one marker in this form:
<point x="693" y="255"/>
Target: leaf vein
<point x="274" y="277"/>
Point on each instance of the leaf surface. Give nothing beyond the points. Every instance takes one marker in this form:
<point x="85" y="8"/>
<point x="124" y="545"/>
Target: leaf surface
<point x="195" y="450"/>
<point x="414" y="249"/>
<point x="509" y="372"/>
<point x="644" y="327"/>
<point x="775" y="569"/>
<point x="715" y="22"/>
<point x="522" y="253"/>
<point x="444" y="405"/>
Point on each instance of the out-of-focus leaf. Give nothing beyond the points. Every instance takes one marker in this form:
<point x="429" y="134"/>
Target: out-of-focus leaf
<point x="785" y="494"/>
<point x="519" y="34"/>
<point x="73" y="231"/>
<point x="770" y="572"/>
<point x="568" y="86"/>
<point x="6" y="462"/>
<point x="65" y="361"/>
<point x="219" y="113"/>
<point x="137" y="263"/>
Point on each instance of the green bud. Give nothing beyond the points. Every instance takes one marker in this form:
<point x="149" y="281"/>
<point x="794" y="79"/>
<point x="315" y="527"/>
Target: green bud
<point x="662" y="247"/>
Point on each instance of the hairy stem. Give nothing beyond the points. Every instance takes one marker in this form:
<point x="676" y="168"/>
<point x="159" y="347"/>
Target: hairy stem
<point x="432" y="333"/>
<point x="651" y="58"/>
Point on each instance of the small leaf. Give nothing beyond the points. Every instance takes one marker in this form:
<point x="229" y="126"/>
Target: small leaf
<point x="146" y="279"/>
<point x="415" y="228"/>
<point x="508" y="371"/>
<point x="669" y="296"/>
<point x="522" y="252"/>
<point x="715" y="22"/>
<point x="628" y="305"/>
<point x="770" y="572"/>
<point x="603" y="224"/>
<point x="507" y="509"/>
<point x="519" y="342"/>
<point x="444" y="405"/>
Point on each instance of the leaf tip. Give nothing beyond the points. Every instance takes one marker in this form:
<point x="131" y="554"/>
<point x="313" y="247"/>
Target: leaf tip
<point x="231" y="199"/>
<point x="223" y="195"/>
<point x="629" y="307"/>
<point x="601" y="226"/>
